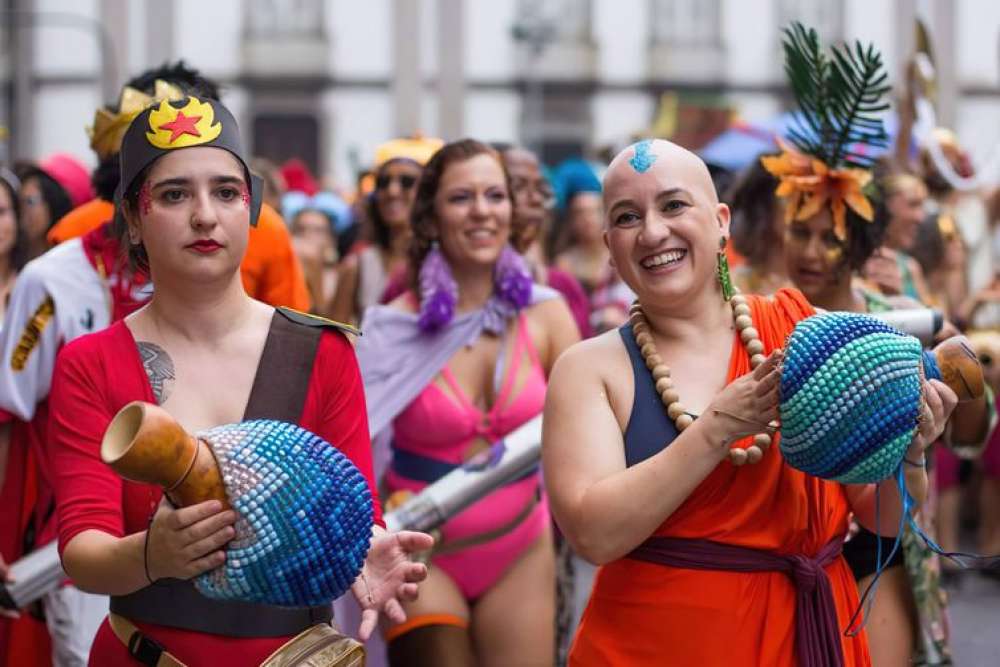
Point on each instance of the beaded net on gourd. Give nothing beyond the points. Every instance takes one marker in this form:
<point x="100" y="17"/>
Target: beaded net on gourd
<point x="850" y="397"/>
<point x="304" y="516"/>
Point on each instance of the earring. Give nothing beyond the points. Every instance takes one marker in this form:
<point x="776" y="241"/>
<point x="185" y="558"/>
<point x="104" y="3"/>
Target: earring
<point x="438" y="291"/>
<point x="133" y="236"/>
<point x="512" y="278"/>
<point x="722" y="271"/>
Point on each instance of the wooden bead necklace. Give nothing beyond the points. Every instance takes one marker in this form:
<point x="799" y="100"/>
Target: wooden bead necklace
<point x="665" y="386"/>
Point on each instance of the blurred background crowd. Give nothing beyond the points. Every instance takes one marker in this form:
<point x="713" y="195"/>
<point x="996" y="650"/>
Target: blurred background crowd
<point x="342" y="103"/>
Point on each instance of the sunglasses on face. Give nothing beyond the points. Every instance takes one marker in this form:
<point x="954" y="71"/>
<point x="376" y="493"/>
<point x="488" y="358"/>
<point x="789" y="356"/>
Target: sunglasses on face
<point x="522" y="187"/>
<point x="406" y="182"/>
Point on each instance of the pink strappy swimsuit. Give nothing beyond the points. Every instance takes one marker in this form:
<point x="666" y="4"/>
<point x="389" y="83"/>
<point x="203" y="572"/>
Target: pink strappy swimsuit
<point x="432" y="436"/>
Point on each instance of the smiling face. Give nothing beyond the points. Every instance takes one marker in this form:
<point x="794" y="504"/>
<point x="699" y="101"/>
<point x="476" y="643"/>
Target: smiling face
<point x="905" y="204"/>
<point x="395" y="188"/>
<point x="816" y="260"/>
<point x="472" y="212"/>
<point x="663" y="224"/>
<point x="193" y="214"/>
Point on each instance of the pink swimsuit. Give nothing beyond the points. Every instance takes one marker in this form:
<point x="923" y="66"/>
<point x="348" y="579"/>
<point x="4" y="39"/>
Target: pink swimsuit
<point x="432" y="436"/>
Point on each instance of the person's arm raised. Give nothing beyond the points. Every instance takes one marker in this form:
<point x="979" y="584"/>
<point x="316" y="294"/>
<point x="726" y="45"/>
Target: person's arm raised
<point x="606" y="509"/>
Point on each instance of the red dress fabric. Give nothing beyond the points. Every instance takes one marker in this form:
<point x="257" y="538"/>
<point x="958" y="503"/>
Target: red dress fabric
<point x="98" y="374"/>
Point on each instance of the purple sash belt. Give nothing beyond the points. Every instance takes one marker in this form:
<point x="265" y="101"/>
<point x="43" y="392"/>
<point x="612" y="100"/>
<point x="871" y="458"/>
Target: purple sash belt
<point x="817" y="638"/>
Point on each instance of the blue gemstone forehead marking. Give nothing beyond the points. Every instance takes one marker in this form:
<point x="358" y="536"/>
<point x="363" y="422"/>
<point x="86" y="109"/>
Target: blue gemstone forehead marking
<point x="643" y="158"/>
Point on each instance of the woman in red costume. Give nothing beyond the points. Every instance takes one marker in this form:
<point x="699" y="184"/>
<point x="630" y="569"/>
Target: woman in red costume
<point x="187" y="201"/>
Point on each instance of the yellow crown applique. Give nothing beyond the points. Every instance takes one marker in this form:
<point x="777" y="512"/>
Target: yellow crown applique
<point x="182" y="128"/>
<point x="109" y="127"/>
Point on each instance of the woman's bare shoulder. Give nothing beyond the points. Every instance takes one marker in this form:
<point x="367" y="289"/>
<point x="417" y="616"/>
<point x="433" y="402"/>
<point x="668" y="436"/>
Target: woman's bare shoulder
<point x="602" y="356"/>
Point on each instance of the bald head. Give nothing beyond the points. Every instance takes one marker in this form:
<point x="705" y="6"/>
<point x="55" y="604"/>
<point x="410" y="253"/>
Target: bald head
<point x="666" y="162"/>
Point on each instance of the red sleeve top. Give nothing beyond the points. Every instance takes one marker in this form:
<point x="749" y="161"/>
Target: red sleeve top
<point x="95" y="376"/>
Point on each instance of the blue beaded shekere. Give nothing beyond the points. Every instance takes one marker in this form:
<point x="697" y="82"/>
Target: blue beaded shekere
<point x="850" y="397"/>
<point x="304" y="516"/>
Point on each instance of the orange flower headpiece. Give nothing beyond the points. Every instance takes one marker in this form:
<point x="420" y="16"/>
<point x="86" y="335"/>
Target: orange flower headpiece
<point x="807" y="184"/>
<point x="838" y="129"/>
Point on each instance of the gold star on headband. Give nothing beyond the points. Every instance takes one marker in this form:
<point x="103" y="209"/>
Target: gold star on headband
<point x="807" y="184"/>
<point x="182" y="128"/>
<point x="109" y="127"/>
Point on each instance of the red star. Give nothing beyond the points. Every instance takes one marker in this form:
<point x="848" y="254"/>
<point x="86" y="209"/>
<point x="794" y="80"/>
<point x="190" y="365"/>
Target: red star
<point x="182" y="125"/>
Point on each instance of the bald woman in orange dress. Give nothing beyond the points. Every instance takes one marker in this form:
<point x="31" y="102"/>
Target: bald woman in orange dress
<point x="712" y="552"/>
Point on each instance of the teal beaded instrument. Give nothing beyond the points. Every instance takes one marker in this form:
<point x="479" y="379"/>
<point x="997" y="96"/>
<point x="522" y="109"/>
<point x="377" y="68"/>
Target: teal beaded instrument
<point x="304" y="516"/>
<point x="850" y="397"/>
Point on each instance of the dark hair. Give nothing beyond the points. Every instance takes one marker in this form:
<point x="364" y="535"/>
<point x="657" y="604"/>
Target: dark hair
<point x="134" y="254"/>
<point x="18" y="251"/>
<point x="422" y="217"/>
<point x="929" y="245"/>
<point x="55" y="196"/>
<point x="753" y="204"/>
<point x="105" y="177"/>
<point x="189" y="80"/>
<point x="864" y="237"/>
<point x="379" y="230"/>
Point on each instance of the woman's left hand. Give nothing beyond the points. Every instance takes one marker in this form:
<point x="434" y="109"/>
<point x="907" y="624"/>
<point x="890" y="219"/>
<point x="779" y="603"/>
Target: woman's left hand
<point x="938" y="404"/>
<point x="389" y="577"/>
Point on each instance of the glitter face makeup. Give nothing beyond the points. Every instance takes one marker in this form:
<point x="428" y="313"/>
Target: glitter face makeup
<point x="245" y="196"/>
<point x="145" y="199"/>
<point x="643" y="158"/>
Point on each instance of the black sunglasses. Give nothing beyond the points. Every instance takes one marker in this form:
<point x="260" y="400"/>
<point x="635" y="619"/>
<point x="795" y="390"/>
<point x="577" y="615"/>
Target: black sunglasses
<point x="406" y="181"/>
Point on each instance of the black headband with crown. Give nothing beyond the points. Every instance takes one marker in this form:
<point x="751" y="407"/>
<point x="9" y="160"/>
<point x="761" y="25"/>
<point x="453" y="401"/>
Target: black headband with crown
<point x="176" y="125"/>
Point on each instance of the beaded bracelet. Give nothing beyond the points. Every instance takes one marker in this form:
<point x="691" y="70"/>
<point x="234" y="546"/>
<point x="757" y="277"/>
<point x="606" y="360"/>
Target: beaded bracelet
<point x="922" y="463"/>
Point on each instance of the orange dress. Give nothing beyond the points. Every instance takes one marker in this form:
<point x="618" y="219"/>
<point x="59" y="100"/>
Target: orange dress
<point x="270" y="270"/>
<point x="650" y="614"/>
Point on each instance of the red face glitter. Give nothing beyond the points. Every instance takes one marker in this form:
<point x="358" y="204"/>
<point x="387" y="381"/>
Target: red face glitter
<point x="245" y="194"/>
<point x="145" y="199"/>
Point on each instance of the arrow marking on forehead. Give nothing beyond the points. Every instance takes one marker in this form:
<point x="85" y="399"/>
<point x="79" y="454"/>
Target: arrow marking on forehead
<point x="643" y="158"/>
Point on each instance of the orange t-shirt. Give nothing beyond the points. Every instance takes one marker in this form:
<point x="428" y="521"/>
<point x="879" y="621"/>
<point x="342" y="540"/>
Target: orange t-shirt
<point x="649" y="614"/>
<point x="270" y="270"/>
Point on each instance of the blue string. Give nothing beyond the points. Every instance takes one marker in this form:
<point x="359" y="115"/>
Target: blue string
<point x="909" y="504"/>
<point x="868" y="597"/>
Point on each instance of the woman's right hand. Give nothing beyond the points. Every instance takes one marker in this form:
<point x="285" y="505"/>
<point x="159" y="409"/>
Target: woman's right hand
<point x="747" y="406"/>
<point x="185" y="542"/>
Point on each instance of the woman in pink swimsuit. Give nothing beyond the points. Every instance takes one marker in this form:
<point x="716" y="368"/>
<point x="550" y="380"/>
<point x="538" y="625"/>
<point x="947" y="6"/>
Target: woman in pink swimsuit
<point x="495" y="557"/>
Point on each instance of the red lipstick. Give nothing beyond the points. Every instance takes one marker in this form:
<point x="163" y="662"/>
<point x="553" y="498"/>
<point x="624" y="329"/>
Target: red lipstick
<point x="206" y="246"/>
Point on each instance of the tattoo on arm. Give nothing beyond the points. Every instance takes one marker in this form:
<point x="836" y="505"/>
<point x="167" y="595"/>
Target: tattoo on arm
<point x="159" y="369"/>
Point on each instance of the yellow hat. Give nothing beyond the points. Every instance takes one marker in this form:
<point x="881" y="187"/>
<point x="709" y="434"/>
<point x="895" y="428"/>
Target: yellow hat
<point x="417" y="148"/>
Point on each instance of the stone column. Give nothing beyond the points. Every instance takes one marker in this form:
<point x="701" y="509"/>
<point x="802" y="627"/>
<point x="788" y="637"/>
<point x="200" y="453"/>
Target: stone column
<point x="451" y="66"/>
<point x="406" y="84"/>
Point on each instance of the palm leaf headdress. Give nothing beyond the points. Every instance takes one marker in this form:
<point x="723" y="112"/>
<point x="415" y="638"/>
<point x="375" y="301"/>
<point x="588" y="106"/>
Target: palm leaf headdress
<point x="839" y="97"/>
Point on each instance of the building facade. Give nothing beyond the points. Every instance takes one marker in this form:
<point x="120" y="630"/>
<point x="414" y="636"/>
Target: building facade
<point x="328" y="80"/>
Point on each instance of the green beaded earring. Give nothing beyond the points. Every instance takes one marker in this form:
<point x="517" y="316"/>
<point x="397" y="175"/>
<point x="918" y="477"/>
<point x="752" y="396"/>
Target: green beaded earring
<point x="722" y="272"/>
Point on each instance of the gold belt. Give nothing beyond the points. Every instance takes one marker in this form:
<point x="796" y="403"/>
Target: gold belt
<point x="319" y="646"/>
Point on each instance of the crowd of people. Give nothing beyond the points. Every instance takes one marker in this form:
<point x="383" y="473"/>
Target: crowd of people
<point x="489" y="289"/>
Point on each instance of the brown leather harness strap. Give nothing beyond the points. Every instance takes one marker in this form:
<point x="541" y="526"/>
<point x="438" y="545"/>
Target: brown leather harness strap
<point x="279" y="392"/>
